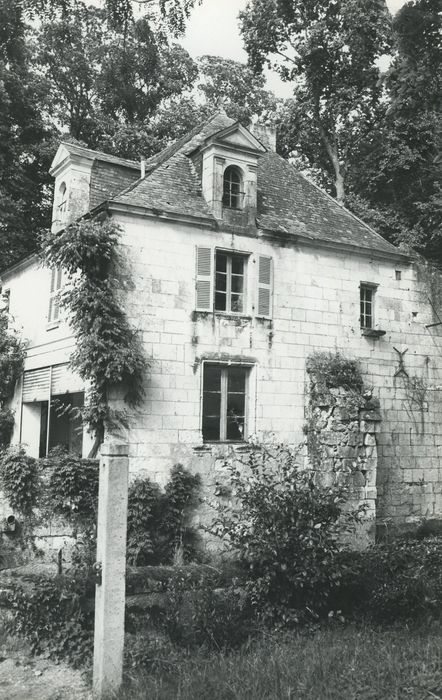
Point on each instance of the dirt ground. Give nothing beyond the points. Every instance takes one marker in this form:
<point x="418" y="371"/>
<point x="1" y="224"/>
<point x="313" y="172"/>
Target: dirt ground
<point x="24" y="677"/>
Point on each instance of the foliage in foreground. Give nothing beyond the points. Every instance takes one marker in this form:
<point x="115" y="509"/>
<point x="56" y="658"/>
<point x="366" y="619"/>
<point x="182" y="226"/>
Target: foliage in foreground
<point x="331" y="664"/>
<point x="285" y="525"/>
<point x="394" y="582"/>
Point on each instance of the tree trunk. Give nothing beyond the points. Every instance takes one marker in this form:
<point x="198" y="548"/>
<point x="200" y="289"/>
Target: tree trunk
<point x="332" y="151"/>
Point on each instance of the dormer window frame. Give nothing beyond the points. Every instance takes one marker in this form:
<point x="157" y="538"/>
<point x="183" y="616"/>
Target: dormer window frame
<point x="62" y="202"/>
<point x="233" y="187"/>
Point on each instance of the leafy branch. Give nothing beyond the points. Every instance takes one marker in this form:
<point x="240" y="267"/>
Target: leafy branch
<point x="108" y="351"/>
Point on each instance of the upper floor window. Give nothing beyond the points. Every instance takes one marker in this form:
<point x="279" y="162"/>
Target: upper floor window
<point x="232" y="188"/>
<point x="62" y="201"/>
<point x="367" y="294"/>
<point x="229" y="282"/>
<point x="54" y="295"/>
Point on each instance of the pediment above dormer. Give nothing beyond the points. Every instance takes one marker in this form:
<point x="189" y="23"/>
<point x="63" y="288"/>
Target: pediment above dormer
<point x="237" y="137"/>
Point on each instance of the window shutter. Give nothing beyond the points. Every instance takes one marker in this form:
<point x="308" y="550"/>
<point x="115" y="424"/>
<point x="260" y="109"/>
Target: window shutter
<point x="265" y="286"/>
<point x="36" y="385"/>
<point x="54" y="305"/>
<point x="204" y="295"/>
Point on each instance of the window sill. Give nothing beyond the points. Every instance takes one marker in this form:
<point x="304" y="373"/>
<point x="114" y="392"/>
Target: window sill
<point x="239" y="445"/>
<point x="223" y="314"/>
<point x="372" y="333"/>
<point x="52" y="325"/>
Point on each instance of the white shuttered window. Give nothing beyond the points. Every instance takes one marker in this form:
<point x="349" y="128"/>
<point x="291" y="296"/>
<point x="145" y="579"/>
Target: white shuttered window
<point x="54" y="294"/>
<point x="265" y="283"/>
<point x="204" y="279"/>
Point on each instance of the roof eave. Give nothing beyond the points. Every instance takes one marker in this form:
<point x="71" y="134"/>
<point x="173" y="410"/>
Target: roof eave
<point x="339" y="246"/>
<point x="154" y="213"/>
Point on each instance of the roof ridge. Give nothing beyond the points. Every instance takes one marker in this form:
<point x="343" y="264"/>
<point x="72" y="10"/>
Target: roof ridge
<point x="110" y="156"/>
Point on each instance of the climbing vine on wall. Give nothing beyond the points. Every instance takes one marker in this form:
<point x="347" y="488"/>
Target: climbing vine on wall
<point x="11" y="367"/>
<point x="108" y="352"/>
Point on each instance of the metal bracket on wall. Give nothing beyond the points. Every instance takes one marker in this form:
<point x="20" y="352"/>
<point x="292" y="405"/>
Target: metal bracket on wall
<point x="401" y="369"/>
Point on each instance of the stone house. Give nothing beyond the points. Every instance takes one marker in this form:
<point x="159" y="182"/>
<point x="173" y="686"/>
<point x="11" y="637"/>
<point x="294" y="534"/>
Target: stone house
<point x="241" y="269"/>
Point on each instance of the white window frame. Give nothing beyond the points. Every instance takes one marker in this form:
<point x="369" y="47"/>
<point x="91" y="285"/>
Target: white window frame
<point x="229" y="255"/>
<point x="249" y="405"/>
<point x="365" y="287"/>
<point x="56" y="285"/>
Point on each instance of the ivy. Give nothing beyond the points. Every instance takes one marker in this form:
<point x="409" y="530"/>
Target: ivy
<point x="19" y="481"/>
<point x="333" y="370"/>
<point x="108" y="352"/>
<point x="11" y="367"/>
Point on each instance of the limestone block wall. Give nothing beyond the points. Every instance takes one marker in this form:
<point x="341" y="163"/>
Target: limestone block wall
<point x="315" y="307"/>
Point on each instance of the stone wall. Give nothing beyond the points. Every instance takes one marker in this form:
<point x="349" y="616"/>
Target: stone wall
<point x="341" y="430"/>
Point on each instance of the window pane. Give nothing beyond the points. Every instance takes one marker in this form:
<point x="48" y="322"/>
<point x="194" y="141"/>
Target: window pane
<point x="221" y="282"/>
<point x="211" y="402"/>
<point x="212" y="378"/>
<point x="237" y="303"/>
<point x="236" y="379"/>
<point x="210" y="428"/>
<point x="235" y="428"/>
<point x="237" y="265"/>
<point x="221" y="262"/>
<point x="237" y="283"/>
<point x="220" y="301"/>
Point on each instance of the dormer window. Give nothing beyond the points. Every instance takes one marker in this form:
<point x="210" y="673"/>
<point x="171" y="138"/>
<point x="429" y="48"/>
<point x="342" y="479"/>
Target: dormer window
<point x="62" y="201"/>
<point x="232" y="188"/>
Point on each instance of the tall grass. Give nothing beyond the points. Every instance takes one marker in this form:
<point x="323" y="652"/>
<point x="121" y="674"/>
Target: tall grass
<point x="334" y="664"/>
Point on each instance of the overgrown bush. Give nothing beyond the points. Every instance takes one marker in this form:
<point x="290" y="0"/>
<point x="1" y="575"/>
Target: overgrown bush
<point x="333" y="370"/>
<point x="286" y="528"/>
<point x="396" y="582"/>
<point x="52" y="615"/>
<point x="199" y="614"/>
<point x="19" y="480"/>
<point x="158" y="527"/>
<point x="71" y="488"/>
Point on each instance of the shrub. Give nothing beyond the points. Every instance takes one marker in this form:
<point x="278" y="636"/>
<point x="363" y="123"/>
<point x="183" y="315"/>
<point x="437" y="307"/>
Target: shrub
<point x="6" y="427"/>
<point x="285" y="527"/>
<point x="198" y="614"/>
<point x="19" y="480"/>
<point x="333" y="370"/>
<point x="397" y="581"/>
<point x="72" y="488"/>
<point x="51" y="615"/>
<point x="158" y="523"/>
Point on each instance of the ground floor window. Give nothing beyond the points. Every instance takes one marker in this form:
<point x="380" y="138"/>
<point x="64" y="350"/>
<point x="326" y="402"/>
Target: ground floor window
<point x="61" y="425"/>
<point x="52" y="399"/>
<point x="224" y="403"/>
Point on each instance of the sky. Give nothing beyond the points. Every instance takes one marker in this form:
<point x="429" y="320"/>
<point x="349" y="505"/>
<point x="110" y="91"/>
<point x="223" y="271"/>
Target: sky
<point x="213" y="29"/>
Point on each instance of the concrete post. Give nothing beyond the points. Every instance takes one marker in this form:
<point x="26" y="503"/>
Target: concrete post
<point x="110" y="590"/>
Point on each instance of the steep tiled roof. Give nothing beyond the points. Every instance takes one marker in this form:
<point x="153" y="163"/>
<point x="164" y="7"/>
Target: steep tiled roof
<point x="78" y="150"/>
<point x="108" y="179"/>
<point x="287" y="202"/>
<point x="173" y="187"/>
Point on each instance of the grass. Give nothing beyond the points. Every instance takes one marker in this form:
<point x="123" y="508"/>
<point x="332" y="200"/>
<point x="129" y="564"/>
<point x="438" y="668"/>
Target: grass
<point x="346" y="663"/>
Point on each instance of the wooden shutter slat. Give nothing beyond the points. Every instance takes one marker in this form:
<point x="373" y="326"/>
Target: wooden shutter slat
<point x="265" y="281"/>
<point x="204" y="295"/>
<point x="36" y="385"/>
<point x="64" y="380"/>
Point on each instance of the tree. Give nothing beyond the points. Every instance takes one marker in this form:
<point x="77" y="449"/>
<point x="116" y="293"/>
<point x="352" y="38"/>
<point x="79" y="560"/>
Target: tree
<point x="397" y="177"/>
<point x="241" y="92"/>
<point x="24" y="140"/>
<point x="102" y="79"/>
<point x="329" y="51"/>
